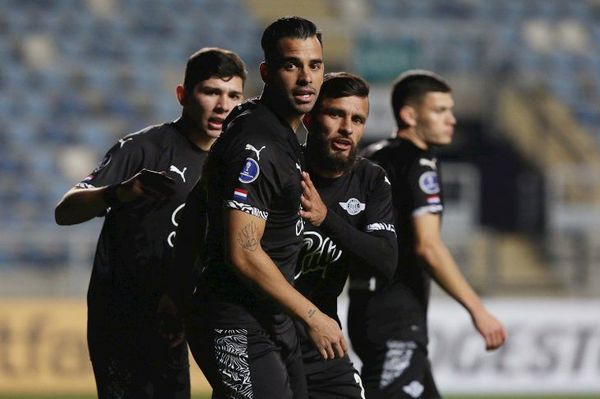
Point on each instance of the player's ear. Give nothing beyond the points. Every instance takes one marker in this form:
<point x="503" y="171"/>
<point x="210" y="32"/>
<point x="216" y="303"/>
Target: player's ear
<point x="180" y="92"/>
<point x="264" y="71"/>
<point x="408" y="115"/>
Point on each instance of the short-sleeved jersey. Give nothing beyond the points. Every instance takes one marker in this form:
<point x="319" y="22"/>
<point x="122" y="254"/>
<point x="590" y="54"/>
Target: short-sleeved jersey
<point x="254" y="167"/>
<point x="135" y="245"/>
<point x="415" y="177"/>
<point x="362" y="198"/>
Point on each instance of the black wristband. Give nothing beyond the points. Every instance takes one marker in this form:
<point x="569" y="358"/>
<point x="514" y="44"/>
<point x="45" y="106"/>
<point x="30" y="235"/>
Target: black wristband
<point x="110" y="196"/>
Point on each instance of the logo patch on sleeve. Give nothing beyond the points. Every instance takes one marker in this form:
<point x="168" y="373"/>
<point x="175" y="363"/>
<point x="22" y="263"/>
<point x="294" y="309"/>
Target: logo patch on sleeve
<point x="428" y="182"/>
<point x="250" y="171"/>
<point x="434" y="199"/>
<point x="240" y="194"/>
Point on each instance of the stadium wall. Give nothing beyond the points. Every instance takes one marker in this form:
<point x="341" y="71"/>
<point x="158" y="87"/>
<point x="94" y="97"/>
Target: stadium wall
<point x="553" y="347"/>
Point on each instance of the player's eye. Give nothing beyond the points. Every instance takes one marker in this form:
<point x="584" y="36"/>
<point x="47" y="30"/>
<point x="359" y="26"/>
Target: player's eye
<point x="289" y="66"/>
<point x="358" y="120"/>
<point x="315" y="66"/>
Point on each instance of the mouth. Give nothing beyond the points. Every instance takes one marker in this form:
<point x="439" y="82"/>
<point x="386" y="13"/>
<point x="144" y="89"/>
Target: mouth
<point x="304" y="95"/>
<point x="341" y="144"/>
<point x="215" y="123"/>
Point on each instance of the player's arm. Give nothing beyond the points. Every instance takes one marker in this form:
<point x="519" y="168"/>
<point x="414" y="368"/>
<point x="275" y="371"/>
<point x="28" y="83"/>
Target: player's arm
<point x="444" y="270"/>
<point x="378" y="252"/>
<point x="80" y="204"/>
<point x="244" y="233"/>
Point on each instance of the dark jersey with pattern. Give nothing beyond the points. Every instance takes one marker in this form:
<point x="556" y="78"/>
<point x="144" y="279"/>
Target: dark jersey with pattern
<point x="359" y="202"/>
<point x="137" y="238"/>
<point x="414" y="174"/>
<point x="254" y="167"/>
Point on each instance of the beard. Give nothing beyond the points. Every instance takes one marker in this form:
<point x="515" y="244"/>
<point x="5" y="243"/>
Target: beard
<point x="320" y="156"/>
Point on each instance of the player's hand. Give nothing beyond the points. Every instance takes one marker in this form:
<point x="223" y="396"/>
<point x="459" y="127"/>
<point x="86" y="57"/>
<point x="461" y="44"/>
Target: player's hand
<point x="326" y="336"/>
<point x="149" y="184"/>
<point x="313" y="208"/>
<point x="492" y="331"/>
<point x="170" y="325"/>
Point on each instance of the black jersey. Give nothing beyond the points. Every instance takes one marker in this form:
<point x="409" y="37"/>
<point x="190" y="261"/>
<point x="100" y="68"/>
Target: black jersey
<point x="135" y="244"/>
<point x="254" y="167"/>
<point x="357" y="236"/>
<point x="414" y="174"/>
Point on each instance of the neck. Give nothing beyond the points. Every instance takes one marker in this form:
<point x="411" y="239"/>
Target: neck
<point x="411" y="135"/>
<point x="197" y="136"/>
<point x="281" y="108"/>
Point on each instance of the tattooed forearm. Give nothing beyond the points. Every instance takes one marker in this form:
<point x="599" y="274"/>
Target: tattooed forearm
<point x="247" y="237"/>
<point x="311" y="312"/>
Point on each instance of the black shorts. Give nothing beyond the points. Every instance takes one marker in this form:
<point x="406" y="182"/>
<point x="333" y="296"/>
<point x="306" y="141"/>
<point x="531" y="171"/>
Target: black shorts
<point x="248" y="362"/>
<point x="397" y="367"/>
<point x="137" y="363"/>
<point x="328" y="379"/>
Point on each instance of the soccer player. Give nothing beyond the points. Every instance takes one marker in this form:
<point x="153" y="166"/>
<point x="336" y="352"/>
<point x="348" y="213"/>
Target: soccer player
<point x="347" y="201"/>
<point x="238" y="326"/>
<point x="388" y="322"/>
<point x="140" y="187"/>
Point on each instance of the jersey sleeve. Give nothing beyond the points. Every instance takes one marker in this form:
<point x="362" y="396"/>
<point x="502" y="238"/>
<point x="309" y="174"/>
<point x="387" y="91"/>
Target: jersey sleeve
<point x="425" y="188"/>
<point x="120" y="163"/>
<point x="257" y="175"/>
<point x="374" y="245"/>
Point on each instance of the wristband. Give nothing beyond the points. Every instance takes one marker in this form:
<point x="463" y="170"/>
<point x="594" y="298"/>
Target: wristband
<point x="110" y="196"/>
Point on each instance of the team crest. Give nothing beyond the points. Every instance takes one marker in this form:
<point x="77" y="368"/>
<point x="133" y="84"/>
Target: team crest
<point x="429" y="183"/>
<point x="250" y="171"/>
<point x="353" y="206"/>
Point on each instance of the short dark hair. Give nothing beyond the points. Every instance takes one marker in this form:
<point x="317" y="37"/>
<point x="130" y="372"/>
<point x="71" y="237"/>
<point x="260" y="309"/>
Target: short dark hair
<point x="341" y="84"/>
<point x="410" y="88"/>
<point x="212" y="62"/>
<point x="294" y="27"/>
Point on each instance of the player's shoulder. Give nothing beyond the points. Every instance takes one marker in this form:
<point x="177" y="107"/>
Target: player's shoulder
<point x="153" y="136"/>
<point x="368" y="172"/>
<point x="252" y="121"/>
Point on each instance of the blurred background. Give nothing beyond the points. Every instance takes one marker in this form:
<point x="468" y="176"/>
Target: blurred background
<point x="522" y="178"/>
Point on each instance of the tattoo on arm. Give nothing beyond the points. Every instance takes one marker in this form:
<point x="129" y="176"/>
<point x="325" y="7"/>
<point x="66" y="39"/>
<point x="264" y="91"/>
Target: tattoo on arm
<point x="247" y="237"/>
<point x="311" y="312"/>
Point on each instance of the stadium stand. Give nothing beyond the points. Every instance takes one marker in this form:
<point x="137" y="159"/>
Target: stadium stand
<point x="77" y="75"/>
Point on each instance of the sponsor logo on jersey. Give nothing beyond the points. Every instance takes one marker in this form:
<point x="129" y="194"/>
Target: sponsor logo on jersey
<point x="353" y="206"/>
<point x="434" y="199"/>
<point x="248" y="209"/>
<point x="317" y="253"/>
<point x="175" y="221"/>
<point x="299" y="227"/>
<point x="252" y="148"/>
<point x="250" y="171"/>
<point x="414" y="389"/>
<point x="181" y="173"/>
<point x="429" y="183"/>
<point x="240" y="194"/>
<point x="432" y="163"/>
<point x="381" y="227"/>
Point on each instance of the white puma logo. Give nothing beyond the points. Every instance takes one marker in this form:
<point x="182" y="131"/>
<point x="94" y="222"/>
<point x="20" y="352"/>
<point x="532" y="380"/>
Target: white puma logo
<point x="252" y="148"/>
<point x="298" y="167"/>
<point x="123" y="141"/>
<point x="174" y="168"/>
<point x="426" y="162"/>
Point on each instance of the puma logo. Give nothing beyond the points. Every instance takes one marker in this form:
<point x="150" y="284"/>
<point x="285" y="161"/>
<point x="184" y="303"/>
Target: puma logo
<point x="298" y="167"/>
<point x="123" y="141"/>
<point x="252" y="148"/>
<point x="181" y="173"/>
<point x="432" y="163"/>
